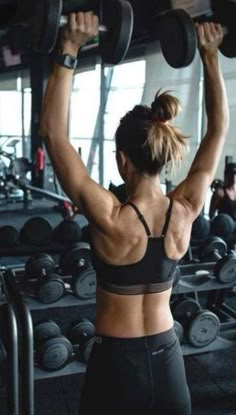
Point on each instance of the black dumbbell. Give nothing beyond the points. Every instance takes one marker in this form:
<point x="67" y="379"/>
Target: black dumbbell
<point x="53" y="351"/>
<point x="222" y="225"/>
<point x="9" y="236"/>
<point x="49" y="286"/>
<point x="81" y="334"/>
<point x="76" y="261"/>
<point x="36" y="231"/>
<point x="179" y="50"/>
<point x="115" y="29"/>
<point x="67" y="231"/>
<point x="200" y="228"/>
<point x="201" y="327"/>
<point x="215" y="248"/>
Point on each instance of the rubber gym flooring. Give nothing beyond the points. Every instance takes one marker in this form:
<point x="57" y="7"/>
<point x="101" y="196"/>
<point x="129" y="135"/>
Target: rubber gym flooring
<point x="211" y="376"/>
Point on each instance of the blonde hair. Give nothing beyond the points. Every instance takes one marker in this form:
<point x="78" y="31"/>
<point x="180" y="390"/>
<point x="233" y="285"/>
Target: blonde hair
<point x="148" y="136"/>
<point x="166" y="142"/>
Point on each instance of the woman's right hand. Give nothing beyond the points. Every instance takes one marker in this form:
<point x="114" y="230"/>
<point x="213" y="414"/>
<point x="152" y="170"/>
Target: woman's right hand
<point x="210" y="36"/>
<point x="81" y="28"/>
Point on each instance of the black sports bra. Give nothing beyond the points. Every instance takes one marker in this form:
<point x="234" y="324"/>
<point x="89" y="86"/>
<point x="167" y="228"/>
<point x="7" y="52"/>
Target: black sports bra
<point x="153" y="273"/>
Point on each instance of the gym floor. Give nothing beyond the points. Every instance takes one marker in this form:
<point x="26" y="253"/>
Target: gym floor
<point x="211" y="376"/>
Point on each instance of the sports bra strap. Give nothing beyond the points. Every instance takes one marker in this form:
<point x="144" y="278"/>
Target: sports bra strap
<point x="141" y="218"/>
<point x="168" y="214"/>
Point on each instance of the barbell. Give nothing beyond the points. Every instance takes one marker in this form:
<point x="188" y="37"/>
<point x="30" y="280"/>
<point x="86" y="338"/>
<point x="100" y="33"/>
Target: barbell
<point x="115" y="29"/>
<point x="175" y="29"/>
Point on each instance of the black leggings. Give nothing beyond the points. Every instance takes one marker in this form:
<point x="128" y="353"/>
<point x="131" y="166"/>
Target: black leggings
<point x="136" y="376"/>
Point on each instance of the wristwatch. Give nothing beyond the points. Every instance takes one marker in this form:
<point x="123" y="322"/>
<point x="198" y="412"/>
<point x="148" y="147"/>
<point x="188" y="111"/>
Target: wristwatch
<point x="67" y="60"/>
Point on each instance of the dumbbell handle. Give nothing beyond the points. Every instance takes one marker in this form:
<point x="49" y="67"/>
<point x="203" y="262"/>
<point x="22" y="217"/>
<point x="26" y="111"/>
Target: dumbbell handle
<point x="217" y="254"/>
<point x="64" y="21"/>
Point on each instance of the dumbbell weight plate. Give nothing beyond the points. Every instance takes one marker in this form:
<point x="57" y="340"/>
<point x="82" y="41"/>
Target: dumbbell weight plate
<point x="45" y="329"/>
<point x="225" y="269"/>
<point x="9" y="236"/>
<point x="185" y="309"/>
<point x="76" y="257"/>
<point x="225" y="12"/>
<point x="176" y="32"/>
<point x="203" y="329"/>
<point x="54" y="353"/>
<point x="117" y="16"/>
<point x="81" y="331"/>
<point x="50" y="289"/>
<point x="179" y="330"/>
<point x="45" y="25"/>
<point x="68" y="232"/>
<point x="214" y="243"/>
<point x="35" y="264"/>
<point x="36" y="231"/>
<point x="84" y="284"/>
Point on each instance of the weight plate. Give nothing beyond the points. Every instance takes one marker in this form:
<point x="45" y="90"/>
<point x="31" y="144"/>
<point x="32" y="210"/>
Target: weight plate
<point x="81" y="331"/>
<point x="9" y="236"/>
<point x="200" y="228"/>
<point x="45" y="25"/>
<point x="214" y="243"/>
<point x="68" y="232"/>
<point x="84" y="284"/>
<point x="36" y="263"/>
<point x="176" y="32"/>
<point x="36" y="231"/>
<point x="185" y="309"/>
<point x="44" y="330"/>
<point x="117" y="17"/>
<point x="179" y="330"/>
<point x="50" y="289"/>
<point x="54" y="353"/>
<point x="222" y="225"/>
<point x="225" y="269"/>
<point x="203" y="329"/>
<point x="225" y="12"/>
<point x="75" y="258"/>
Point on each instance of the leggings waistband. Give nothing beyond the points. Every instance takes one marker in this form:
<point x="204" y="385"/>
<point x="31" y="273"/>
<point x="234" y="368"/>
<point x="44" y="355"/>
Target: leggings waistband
<point x="137" y="343"/>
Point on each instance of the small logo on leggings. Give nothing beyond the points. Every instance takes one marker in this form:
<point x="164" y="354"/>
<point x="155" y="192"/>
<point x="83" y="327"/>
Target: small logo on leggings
<point x="157" y="352"/>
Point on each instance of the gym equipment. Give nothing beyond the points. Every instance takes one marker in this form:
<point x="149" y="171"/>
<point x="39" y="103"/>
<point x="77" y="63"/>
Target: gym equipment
<point x="49" y="288"/>
<point x="9" y="236"/>
<point x="177" y="276"/>
<point x="200" y="228"/>
<point x="67" y="232"/>
<point x="225" y="267"/>
<point x="217" y="184"/>
<point x="53" y="351"/>
<point x="76" y="261"/>
<point x="179" y="330"/>
<point x="115" y="29"/>
<point x="81" y="334"/>
<point x="85" y="234"/>
<point x="36" y="231"/>
<point x="222" y="225"/>
<point x="36" y="263"/>
<point x="3" y="355"/>
<point x="201" y="327"/>
<point x="175" y="28"/>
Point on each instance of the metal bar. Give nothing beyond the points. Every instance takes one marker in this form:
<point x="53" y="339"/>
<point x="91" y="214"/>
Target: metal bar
<point x="12" y="371"/>
<point x="27" y="347"/>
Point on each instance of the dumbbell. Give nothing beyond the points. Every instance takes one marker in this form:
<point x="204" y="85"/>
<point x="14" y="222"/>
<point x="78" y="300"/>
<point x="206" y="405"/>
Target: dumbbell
<point x="9" y="236"/>
<point x="49" y="286"/>
<point x="222" y="225"/>
<point x="175" y="29"/>
<point x="81" y="334"/>
<point x="53" y="351"/>
<point x="200" y="228"/>
<point x="76" y="261"/>
<point x="215" y="248"/>
<point x="67" y="231"/>
<point x="201" y="327"/>
<point x="36" y="231"/>
<point x="115" y="30"/>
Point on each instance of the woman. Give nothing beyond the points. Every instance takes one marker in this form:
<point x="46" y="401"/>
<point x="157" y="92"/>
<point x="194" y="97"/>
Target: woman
<point x="224" y="197"/>
<point x="136" y="365"/>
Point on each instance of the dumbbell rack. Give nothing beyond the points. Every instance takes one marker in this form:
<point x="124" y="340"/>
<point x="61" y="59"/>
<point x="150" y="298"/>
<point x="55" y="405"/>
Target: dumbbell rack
<point x="198" y="277"/>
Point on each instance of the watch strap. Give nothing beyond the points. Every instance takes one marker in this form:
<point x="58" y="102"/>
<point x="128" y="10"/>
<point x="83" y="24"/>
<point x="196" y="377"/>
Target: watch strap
<point x="67" y="60"/>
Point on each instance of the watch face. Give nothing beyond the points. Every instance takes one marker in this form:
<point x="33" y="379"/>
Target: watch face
<point x="67" y="60"/>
